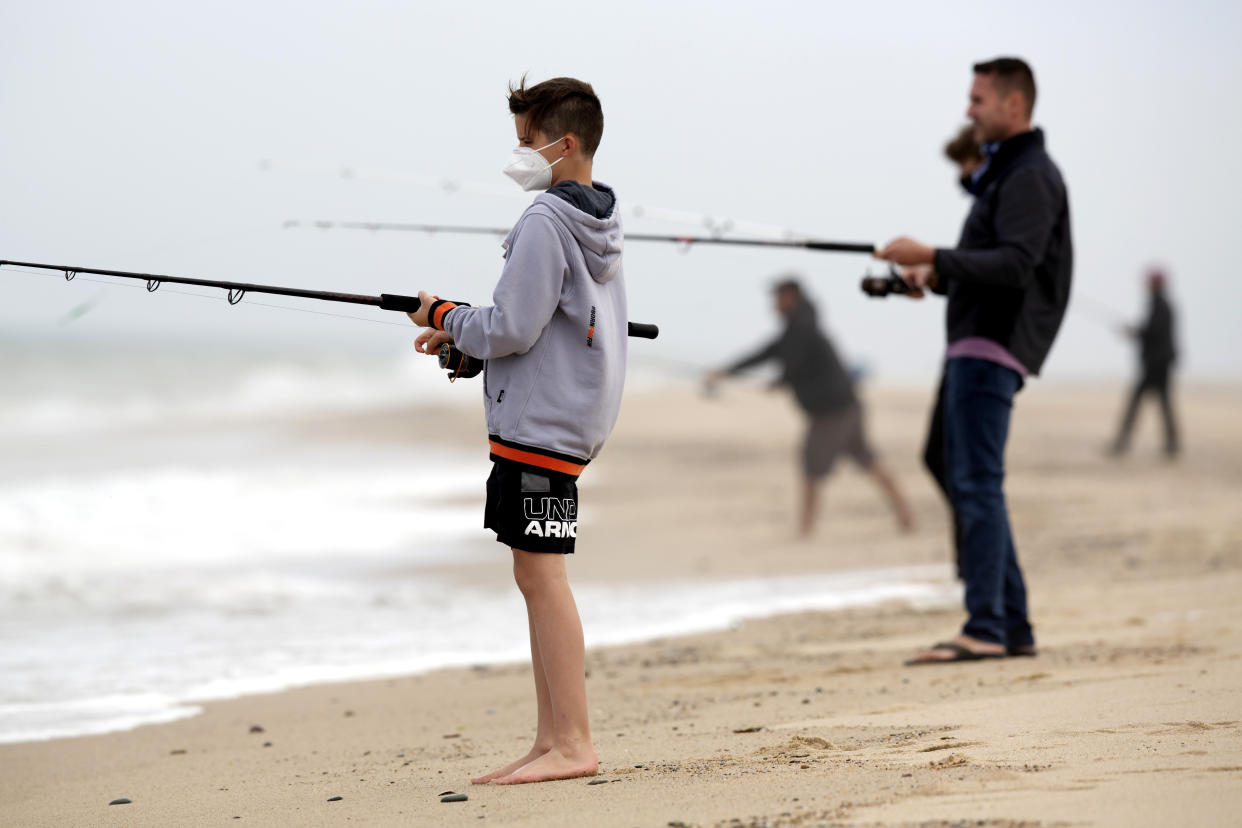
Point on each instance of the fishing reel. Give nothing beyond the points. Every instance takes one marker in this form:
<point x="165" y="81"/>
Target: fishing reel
<point x="879" y="287"/>
<point x="458" y="365"/>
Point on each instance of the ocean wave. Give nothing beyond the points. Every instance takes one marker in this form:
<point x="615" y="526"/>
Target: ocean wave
<point x="76" y="392"/>
<point x="122" y="675"/>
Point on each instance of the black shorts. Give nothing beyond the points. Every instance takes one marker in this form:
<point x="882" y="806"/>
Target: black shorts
<point x="828" y="436"/>
<point x="532" y="509"/>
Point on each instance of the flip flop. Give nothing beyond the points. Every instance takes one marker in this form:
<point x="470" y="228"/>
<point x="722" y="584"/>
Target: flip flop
<point x="960" y="653"/>
<point x="1022" y="651"/>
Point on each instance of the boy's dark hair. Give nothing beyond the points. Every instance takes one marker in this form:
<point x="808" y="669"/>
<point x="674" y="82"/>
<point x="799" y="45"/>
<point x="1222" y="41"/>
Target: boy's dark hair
<point x="1009" y="74"/>
<point x="559" y="106"/>
<point x="962" y="147"/>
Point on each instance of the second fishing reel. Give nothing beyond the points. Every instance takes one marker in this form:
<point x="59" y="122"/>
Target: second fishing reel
<point x="459" y="365"/>
<point x="879" y="287"/>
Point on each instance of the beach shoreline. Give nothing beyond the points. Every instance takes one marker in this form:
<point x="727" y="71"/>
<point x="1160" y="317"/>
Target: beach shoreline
<point x="1128" y="716"/>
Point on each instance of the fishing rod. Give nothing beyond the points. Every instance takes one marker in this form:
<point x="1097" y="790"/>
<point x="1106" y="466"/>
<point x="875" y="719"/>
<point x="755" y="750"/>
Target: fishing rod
<point x="879" y="287"/>
<point x="807" y="244"/>
<point x="452" y="360"/>
<point x="453" y="186"/>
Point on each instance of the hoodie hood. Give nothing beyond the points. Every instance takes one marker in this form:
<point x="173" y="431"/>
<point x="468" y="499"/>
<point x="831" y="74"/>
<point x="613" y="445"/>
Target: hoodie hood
<point x="600" y="238"/>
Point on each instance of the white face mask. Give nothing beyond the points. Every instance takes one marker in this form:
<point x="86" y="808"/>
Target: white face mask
<point x="531" y="170"/>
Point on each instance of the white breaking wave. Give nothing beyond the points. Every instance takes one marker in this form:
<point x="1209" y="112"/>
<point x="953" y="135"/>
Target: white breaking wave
<point x="84" y="392"/>
<point x="143" y="571"/>
<point x="155" y="669"/>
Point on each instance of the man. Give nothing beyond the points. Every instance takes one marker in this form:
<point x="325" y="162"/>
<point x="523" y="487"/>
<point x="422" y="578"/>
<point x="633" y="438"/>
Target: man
<point x="1008" y="284"/>
<point x="1157" y="353"/>
<point x="964" y="152"/>
<point x="823" y="389"/>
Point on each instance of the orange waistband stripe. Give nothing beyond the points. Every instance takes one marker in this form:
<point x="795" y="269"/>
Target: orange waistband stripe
<point x="531" y="458"/>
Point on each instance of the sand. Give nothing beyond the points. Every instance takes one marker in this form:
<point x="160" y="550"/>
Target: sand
<point x="1131" y="714"/>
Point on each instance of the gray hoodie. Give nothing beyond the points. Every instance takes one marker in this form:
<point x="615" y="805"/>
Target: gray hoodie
<point x="554" y="337"/>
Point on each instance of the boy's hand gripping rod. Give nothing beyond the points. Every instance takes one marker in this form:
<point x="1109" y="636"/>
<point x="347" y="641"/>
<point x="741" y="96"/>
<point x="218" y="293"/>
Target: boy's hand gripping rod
<point x="450" y="358"/>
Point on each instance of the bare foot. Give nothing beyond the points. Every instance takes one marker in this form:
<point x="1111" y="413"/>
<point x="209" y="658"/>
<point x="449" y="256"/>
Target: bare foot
<point x="534" y="754"/>
<point x="553" y="765"/>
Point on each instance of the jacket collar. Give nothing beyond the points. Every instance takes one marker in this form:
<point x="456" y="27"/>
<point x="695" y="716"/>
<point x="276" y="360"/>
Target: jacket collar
<point x="1004" y="156"/>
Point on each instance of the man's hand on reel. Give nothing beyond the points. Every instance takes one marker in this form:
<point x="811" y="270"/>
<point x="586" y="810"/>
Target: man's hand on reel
<point x="919" y="278"/>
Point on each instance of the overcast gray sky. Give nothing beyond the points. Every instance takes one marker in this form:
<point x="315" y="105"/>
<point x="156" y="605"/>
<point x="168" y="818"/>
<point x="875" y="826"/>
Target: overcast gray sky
<point x="131" y="136"/>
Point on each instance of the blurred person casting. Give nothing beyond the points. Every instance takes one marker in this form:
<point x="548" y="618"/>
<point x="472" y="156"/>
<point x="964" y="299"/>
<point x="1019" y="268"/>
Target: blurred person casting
<point x="1157" y="355"/>
<point x="1008" y="285"/>
<point x="825" y="391"/>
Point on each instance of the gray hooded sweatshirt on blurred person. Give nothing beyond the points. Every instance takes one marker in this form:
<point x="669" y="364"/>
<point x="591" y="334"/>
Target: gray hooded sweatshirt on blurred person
<point x="555" y="335"/>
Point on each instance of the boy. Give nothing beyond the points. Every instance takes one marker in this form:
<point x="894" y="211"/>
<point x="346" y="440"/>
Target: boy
<point x="555" y="344"/>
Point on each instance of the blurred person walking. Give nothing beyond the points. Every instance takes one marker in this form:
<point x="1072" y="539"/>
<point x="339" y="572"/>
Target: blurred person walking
<point x="1157" y="355"/>
<point x="825" y="391"/>
<point x="1008" y="285"/>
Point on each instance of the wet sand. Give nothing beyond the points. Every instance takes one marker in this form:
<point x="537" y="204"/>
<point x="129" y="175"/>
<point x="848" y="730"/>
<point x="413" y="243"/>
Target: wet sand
<point x="1130" y="715"/>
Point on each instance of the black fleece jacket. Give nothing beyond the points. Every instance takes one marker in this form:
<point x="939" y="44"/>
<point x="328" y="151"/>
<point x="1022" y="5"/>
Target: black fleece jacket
<point x="1008" y="280"/>
<point x="1157" y="347"/>
<point x="810" y="366"/>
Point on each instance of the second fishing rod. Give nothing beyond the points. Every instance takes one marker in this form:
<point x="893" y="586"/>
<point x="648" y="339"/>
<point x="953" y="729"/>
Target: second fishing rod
<point x="687" y="241"/>
<point x="875" y="286"/>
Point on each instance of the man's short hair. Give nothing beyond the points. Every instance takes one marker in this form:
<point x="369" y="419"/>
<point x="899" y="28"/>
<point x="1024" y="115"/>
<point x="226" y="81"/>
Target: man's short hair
<point x="1011" y="74"/>
<point x="963" y="147"/>
<point x="559" y="106"/>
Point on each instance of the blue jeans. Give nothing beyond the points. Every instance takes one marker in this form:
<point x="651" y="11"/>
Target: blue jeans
<point x="978" y="397"/>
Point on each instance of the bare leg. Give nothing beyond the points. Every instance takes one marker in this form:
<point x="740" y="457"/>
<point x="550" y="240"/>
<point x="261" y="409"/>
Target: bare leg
<point x="558" y="631"/>
<point x="810" y="503"/>
<point x="543" y="732"/>
<point x="905" y="517"/>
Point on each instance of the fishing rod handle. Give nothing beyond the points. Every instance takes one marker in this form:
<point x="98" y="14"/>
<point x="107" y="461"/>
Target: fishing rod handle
<point x="409" y="304"/>
<point x="840" y="247"/>
<point x="399" y="302"/>
<point x="644" y="330"/>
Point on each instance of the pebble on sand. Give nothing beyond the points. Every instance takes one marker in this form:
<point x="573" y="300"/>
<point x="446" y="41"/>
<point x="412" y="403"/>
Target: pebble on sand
<point x="335" y="798"/>
<point x="122" y="801"/>
<point x="256" y="728"/>
<point x="454" y="798"/>
<point x="599" y="781"/>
